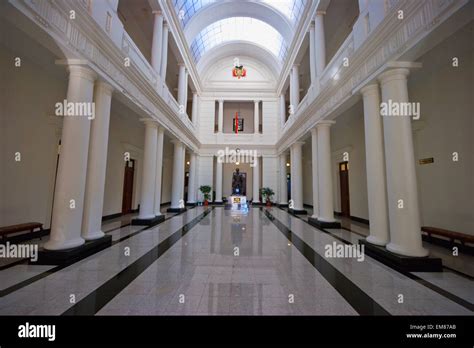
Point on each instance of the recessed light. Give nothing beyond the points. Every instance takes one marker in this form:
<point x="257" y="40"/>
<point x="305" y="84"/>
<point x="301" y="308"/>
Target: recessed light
<point x="287" y="164"/>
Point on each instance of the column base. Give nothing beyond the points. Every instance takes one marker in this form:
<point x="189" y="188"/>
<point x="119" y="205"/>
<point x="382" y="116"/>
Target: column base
<point x="400" y="262"/>
<point x="297" y="211"/>
<point x="191" y="204"/>
<point x="257" y="204"/>
<point x="176" y="210"/>
<point x="376" y="241"/>
<point x="397" y="249"/>
<point x="282" y="205"/>
<point x="68" y="256"/>
<point x="148" y="222"/>
<point x="94" y="235"/>
<point x="323" y="224"/>
<point x="54" y="245"/>
<point x="217" y="203"/>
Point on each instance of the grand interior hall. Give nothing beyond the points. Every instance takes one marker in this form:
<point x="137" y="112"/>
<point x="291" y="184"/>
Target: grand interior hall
<point x="236" y="158"/>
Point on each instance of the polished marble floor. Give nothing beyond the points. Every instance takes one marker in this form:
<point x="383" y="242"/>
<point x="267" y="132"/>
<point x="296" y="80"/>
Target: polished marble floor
<point x="215" y="261"/>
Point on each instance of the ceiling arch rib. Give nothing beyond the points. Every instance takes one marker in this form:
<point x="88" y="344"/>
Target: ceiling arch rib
<point x="244" y="29"/>
<point x="233" y="49"/>
<point x="217" y="11"/>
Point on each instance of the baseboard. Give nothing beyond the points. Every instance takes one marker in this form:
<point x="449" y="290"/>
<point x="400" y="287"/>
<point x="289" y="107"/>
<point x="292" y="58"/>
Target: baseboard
<point x="354" y="218"/>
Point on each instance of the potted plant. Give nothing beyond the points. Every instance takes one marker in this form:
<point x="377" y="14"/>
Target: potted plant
<point x="205" y="189"/>
<point x="267" y="194"/>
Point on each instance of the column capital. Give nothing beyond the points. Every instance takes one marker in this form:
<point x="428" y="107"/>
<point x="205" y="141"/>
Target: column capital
<point x="221" y="101"/>
<point x="393" y="74"/>
<point x="314" y="130"/>
<point x="296" y="65"/>
<point x="80" y="68"/>
<point x="195" y="93"/>
<point x="372" y="87"/>
<point x="165" y="25"/>
<point x="149" y="122"/>
<point x="177" y="142"/>
<point x="182" y="64"/>
<point x="256" y="101"/>
<point x="157" y="12"/>
<point x="320" y="13"/>
<point x="325" y="123"/>
<point x="297" y="143"/>
<point x="105" y="86"/>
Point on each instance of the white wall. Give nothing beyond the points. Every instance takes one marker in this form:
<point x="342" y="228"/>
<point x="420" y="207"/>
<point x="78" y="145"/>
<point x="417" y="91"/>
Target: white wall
<point x="270" y="178"/>
<point x="347" y="135"/>
<point x="205" y="170"/>
<point x="28" y="126"/>
<point x="126" y="134"/>
<point x="446" y="188"/>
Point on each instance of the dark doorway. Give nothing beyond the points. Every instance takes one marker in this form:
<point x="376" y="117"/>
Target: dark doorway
<point x="128" y="187"/>
<point x="344" y="181"/>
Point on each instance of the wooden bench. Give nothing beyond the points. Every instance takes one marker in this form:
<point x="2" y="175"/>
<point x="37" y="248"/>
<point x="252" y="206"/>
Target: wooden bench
<point x="28" y="226"/>
<point x="463" y="238"/>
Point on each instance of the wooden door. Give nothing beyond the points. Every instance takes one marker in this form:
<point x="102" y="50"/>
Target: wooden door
<point x="344" y="184"/>
<point x="128" y="187"/>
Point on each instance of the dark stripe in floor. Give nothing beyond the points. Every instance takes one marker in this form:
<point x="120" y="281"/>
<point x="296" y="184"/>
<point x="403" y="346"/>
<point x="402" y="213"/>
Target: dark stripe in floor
<point x="97" y="299"/>
<point x="358" y="299"/>
<point x="37" y="277"/>
<point x="426" y="283"/>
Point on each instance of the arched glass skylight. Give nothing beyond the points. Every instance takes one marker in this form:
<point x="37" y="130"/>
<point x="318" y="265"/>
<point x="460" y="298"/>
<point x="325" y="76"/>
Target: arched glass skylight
<point x="239" y="29"/>
<point x="292" y="9"/>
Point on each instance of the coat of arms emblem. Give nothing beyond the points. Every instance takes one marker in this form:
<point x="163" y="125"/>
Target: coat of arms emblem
<point x="239" y="71"/>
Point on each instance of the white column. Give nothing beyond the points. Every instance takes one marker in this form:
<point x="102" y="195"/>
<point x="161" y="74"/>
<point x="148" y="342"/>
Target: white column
<point x="314" y="164"/>
<point x="195" y="107"/>
<point x="97" y="163"/>
<point x="294" y="88"/>
<point x="403" y="209"/>
<point x="157" y="41"/>
<point x="192" y="178"/>
<point x="282" y="110"/>
<point x="147" y="197"/>
<point x="178" y="170"/>
<point x="297" y="175"/>
<point x="283" y="180"/>
<point x="319" y="43"/>
<point x="182" y="85"/>
<point x="220" y="117"/>
<point x="159" y="170"/>
<point x="375" y="164"/>
<point x="186" y="92"/>
<point x="164" y="53"/>
<point x="218" y="181"/>
<point x="256" y="116"/>
<point x="325" y="190"/>
<point x="312" y="55"/>
<point x="72" y="167"/>
<point x="256" y="181"/>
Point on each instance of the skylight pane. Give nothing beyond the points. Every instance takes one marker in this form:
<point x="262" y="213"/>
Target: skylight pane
<point x="239" y="29"/>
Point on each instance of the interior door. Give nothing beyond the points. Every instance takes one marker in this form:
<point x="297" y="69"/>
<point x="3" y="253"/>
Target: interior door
<point x="344" y="184"/>
<point x="128" y="187"/>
